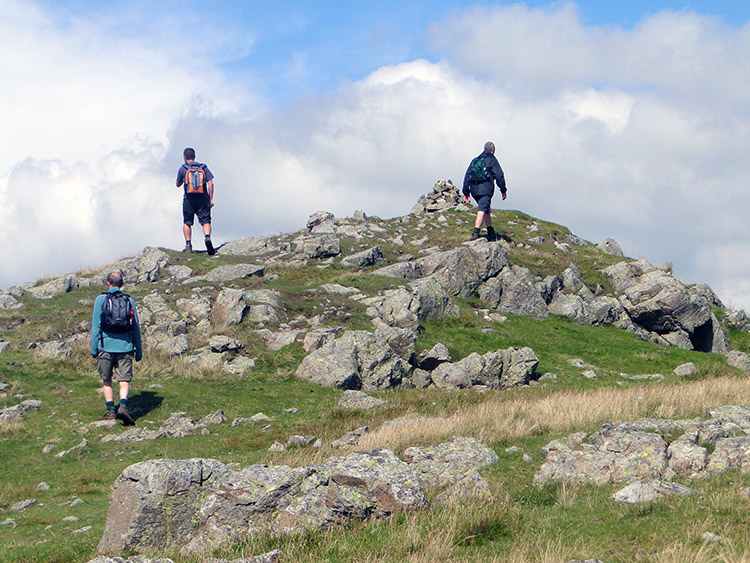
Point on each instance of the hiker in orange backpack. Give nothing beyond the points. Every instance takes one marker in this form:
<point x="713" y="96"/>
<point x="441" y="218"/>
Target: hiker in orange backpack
<point x="198" y="182"/>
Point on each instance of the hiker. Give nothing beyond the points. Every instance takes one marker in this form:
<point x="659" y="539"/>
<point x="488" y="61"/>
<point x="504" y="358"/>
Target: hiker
<point x="115" y="343"/>
<point x="198" y="200"/>
<point x="479" y="181"/>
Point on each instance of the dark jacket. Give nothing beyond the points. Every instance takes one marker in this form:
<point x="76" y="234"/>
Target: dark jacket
<point x="488" y="187"/>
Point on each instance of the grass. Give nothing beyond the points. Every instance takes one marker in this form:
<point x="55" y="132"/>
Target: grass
<point x="520" y="523"/>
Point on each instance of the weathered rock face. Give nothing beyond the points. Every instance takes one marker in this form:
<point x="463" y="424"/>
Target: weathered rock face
<point x="500" y="369"/>
<point x="637" y="451"/>
<point x="656" y="301"/>
<point x="356" y="360"/>
<point x="198" y="505"/>
<point x="55" y="287"/>
<point x="459" y="271"/>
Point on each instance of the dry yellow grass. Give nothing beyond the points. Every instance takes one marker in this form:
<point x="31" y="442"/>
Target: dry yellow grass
<point x="498" y="418"/>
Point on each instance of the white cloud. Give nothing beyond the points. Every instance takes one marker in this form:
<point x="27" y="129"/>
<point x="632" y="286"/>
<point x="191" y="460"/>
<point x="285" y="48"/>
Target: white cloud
<point x="636" y="134"/>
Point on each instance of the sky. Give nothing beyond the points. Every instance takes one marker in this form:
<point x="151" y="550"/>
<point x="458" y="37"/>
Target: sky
<point x="625" y="120"/>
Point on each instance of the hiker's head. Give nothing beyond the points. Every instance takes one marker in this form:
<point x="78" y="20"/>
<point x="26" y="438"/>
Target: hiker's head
<point x="114" y="279"/>
<point x="188" y="154"/>
<point x="489" y="146"/>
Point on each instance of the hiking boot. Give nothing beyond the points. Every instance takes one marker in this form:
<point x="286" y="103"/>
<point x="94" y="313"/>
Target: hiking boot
<point x="491" y="235"/>
<point x="188" y="247"/>
<point x="124" y="415"/>
<point x="210" y="247"/>
<point x="475" y="234"/>
<point x="109" y="415"/>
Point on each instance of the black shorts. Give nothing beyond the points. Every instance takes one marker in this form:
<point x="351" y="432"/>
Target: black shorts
<point x="196" y="206"/>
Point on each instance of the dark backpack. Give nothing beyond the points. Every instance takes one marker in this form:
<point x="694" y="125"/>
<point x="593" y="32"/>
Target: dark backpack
<point x="195" y="177"/>
<point x="479" y="173"/>
<point x="117" y="312"/>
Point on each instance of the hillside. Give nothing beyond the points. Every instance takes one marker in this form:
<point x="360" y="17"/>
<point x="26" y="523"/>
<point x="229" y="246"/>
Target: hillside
<point x="305" y="351"/>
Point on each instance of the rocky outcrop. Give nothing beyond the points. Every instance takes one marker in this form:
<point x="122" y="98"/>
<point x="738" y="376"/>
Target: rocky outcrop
<point x="459" y="271"/>
<point x="198" y="505"/>
<point x="356" y="360"/>
<point x="627" y="452"/>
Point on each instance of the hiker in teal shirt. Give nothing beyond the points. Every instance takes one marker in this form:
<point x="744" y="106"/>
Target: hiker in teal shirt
<point x="115" y="343"/>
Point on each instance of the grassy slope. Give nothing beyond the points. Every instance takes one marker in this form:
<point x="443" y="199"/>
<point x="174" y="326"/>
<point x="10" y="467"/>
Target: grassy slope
<point x="524" y="523"/>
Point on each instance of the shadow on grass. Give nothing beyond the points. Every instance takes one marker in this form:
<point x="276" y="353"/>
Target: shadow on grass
<point x="143" y="403"/>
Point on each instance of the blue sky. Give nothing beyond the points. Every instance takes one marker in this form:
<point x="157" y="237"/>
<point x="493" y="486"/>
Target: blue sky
<point x="617" y="119"/>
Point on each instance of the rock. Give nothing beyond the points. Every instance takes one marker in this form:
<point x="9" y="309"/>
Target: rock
<point x="610" y="246"/>
<point x="739" y="360"/>
<point x="320" y="337"/>
<point x="403" y="341"/>
<point x="459" y="271"/>
<point x="370" y="257"/>
<point x="146" y="267"/>
<point x="444" y="195"/>
<point x="449" y="462"/>
<point x="647" y="491"/>
<point x="251" y="246"/>
<point x="194" y="310"/>
<point x="500" y="369"/>
<point x="22" y="505"/>
<point x="338" y="289"/>
<point x="356" y="360"/>
<point x="519" y="294"/>
<point x="572" y="306"/>
<point x="686" y="458"/>
<point x="229" y="307"/>
<point x="437" y="355"/>
<point x="8" y="302"/>
<point x="320" y="219"/>
<point x="685" y="369"/>
<point x="357" y="400"/>
<point x="14" y="414"/>
<point x="82" y="445"/>
<point x="277" y="340"/>
<point x="316" y="247"/>
<point x="230" y="272"/>
<point x="221" y="343"/>
<point x="201" y="505"/>
<point x="57" y="350"/>
<point x="610" y="456"/>
<point x="55" y="287"/>
<point x="350" y="438"/>
<point x="469" y="486"/>
<point x="239" y="365"/>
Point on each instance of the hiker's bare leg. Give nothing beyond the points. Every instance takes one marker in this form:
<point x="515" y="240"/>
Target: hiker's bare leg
<point x="488" y="219"/>
<point x="187" y="230"/>
<point x="206" y="228"/>
<point x="124" y="389"/>
<point x="479" y="220"/>
<point x="107" y="390"/>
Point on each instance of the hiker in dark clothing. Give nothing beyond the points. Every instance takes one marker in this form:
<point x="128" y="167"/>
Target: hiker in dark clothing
<point x="483" y="187"/>
<point x="198" y="200"/>
<point x="115" y="343"/>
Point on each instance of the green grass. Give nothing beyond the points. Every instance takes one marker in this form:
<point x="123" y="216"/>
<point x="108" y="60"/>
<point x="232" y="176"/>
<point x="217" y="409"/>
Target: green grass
<point x="522" y="522"/>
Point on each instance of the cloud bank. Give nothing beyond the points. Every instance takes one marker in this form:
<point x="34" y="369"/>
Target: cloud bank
<point x="635" y="134"/>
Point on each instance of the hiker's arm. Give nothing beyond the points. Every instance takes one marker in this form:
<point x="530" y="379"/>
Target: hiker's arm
<point x="210" y="185"/>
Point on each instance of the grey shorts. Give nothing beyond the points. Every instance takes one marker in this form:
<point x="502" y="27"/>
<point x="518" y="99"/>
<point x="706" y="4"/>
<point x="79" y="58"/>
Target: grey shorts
<point x="483" y="203"/>
<point x="120" y="364"/>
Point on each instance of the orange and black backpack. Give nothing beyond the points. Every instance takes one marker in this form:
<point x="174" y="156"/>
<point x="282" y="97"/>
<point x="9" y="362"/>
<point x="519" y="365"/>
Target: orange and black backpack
<point x="195" y="178"/>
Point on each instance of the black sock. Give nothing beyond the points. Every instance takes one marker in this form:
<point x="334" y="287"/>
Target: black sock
<point x="110" y="406"/>
<point x="124" y="403"/>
